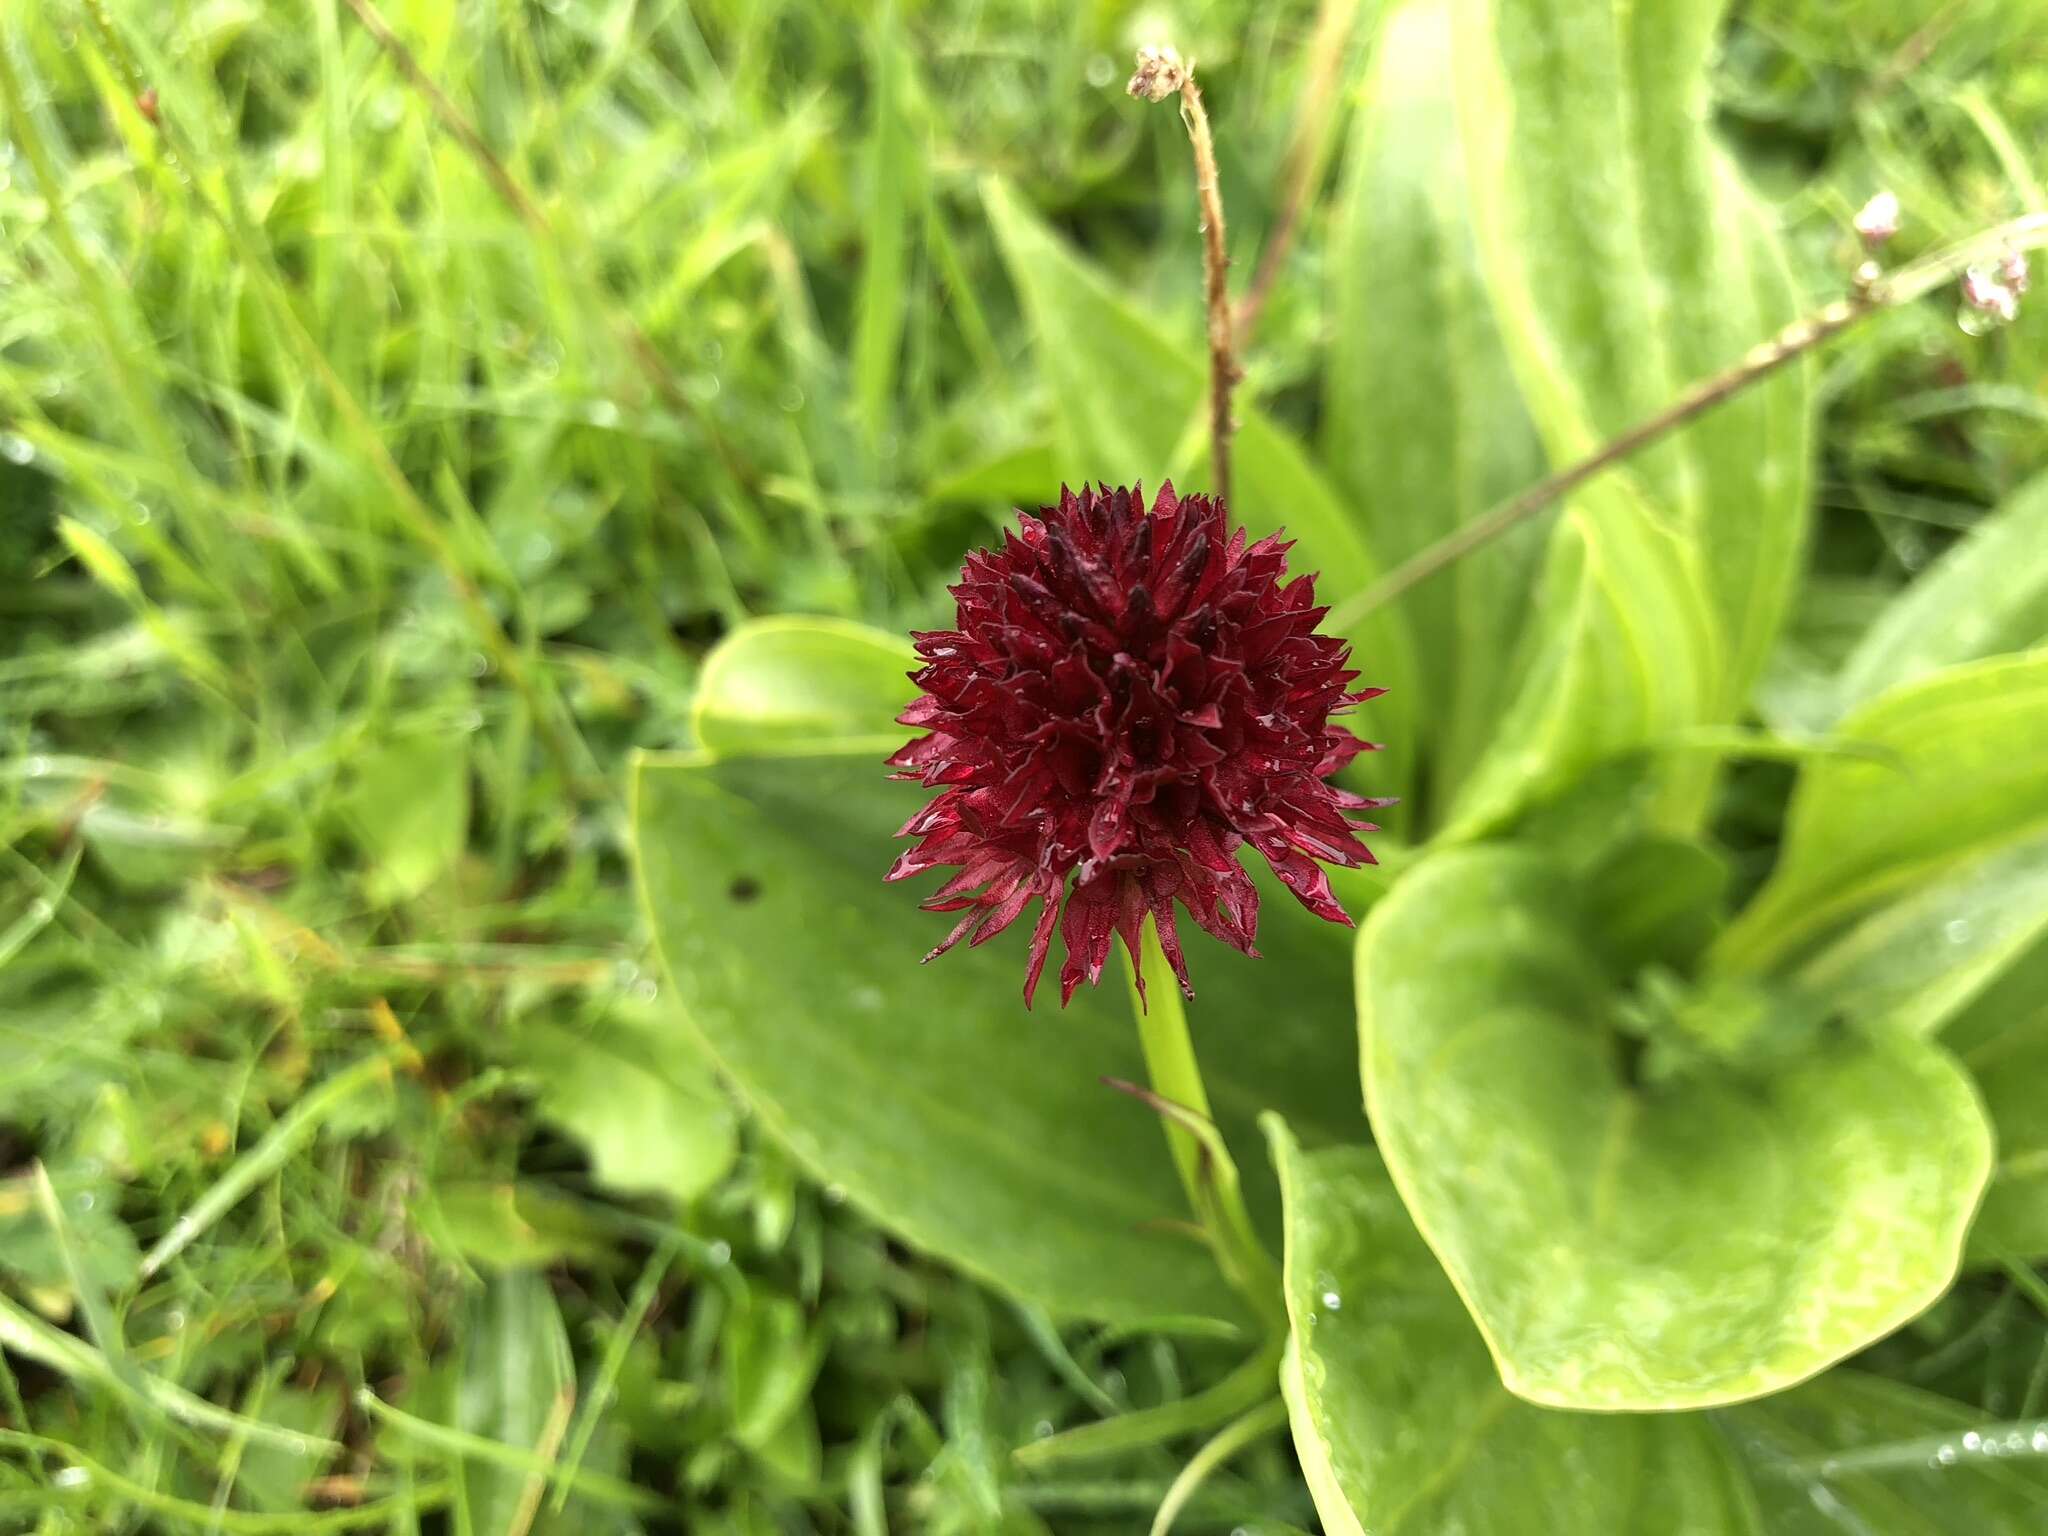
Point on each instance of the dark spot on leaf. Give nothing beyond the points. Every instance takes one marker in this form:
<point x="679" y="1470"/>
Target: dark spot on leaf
<point x="745" y="888"/>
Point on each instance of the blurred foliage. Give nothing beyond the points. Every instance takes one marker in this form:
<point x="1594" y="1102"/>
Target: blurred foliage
<point x="356" y="522"/>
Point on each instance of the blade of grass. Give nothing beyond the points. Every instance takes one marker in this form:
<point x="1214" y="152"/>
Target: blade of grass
<point x="268" y="1155"/>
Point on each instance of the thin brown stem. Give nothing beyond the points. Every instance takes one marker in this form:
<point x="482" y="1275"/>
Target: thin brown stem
<point x="1800" y="337"/>
<point x="1305" y="157"/>
<point x="1216" y="284"/>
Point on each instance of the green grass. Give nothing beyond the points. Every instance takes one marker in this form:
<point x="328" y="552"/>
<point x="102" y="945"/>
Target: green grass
<point x="356" y="523"/>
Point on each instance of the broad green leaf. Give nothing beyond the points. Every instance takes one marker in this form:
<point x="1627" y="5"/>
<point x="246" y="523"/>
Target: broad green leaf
<point x="1854" y="1453"/>
<point x="1130" y="405"/>
<point x="1402" y="1422"/>
<point x="1913" y="964"/>
<point x="1679" y="1243"/>
<point x="1953" y="770"/>
<point x="1654" y="901"/>
<point x="975" y="1129"/>
<point x="2002" y="1038"/>
<point x="1424" y="429"/>
<point x="408" y="805"/>
<point x="1986" y="595"/>
<point x="648" y="1108"/>
<point x="797" y="681"/>
<point x="514" y="1384"/>
<point x="1403" y="1426"/>
<point x="1626" y="260"/>
<point x="1619" y="656"/>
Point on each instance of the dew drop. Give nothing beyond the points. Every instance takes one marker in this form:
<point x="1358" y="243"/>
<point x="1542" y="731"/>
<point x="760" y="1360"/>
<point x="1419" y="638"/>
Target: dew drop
<point x="791" y="398"/>
<point x="476" y="664"/>
<point x="298" y="1446"/>
<point x="1332" y="1301"/>
<point x="1101" y="70"/>
<point x="1946" y="1456"/>
<point x="1042" y="1430"/>
<point x="626" y="973"/>
<point x="1958" y="931"/>
<point x="604" y="414"/>
<point x="719" y="1253"/>
<point x="1974" y="322"/>
<point x="40" y="910"/>
<point x="36" y="767"/>
<point x="835" y="1194"/>
<point x="2040" y="1441"/>
<point x="469" y="722"/>
<point x="646" y="989"/>
<point x="85" y="1201"/>
<point x="1972" y="1441"/>
<point x="174" y="1320"/>
<point x="72" y="1477"/>
<point x="17" y="449"/>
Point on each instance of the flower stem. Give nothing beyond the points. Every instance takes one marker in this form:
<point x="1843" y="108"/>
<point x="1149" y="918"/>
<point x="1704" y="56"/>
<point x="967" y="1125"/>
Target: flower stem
<point x="1804" y="334"/>
<point x="1207" y="1171"/>
<point x="1216" y="285"/>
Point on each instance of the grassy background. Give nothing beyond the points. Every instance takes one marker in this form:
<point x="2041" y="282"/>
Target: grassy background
<point x="365" y="498"/>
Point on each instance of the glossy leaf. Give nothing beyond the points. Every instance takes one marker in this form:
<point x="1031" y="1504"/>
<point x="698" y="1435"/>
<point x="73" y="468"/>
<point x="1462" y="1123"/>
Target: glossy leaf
<point x="1403" y="1427"/>
<point x="975" y="1129"/>
<point x="1129" y="404"/>
<point x="1853" y="1452"/>
<point x="799" y="681"/>
<point x="649" y="1110"/>
<point x="1401" y="1421"/>
<point x="1914" y="964"/>
<point x="1986" y="595"/>
<point x="2002" y="1038"/>
<point x="1626" y="260"/>
<point x="1424" y="428"/>
<point x="1951" y="769"/>
<point x="1619" y="656"/>
<point x="1678" y="1243"/>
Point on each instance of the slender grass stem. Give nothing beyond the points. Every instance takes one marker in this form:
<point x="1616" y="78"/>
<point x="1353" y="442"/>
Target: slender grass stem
<point x="1795" y="340"/>
<point x="1232" y="1438"/>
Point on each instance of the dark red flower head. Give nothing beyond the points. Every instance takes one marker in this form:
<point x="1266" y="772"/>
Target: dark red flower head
<point x="1129" y="696"/>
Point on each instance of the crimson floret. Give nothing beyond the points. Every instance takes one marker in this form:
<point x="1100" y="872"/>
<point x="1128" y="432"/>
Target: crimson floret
<point x="1127" y="698"/>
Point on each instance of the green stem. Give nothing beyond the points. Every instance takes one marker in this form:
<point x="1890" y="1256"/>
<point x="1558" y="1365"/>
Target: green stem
<point x="1207" y="1171"/>
<point x="1254" y="1426"/>
<point x="1244" y="1388"/>
<point x="1170" y="1063"/>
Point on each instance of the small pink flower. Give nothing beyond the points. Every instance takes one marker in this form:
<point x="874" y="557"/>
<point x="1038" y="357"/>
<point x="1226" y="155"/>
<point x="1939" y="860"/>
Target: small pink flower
<point x="1878" y="220"/>
<point x="1128" y="698"/>
<point x="1988" y="296"/>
